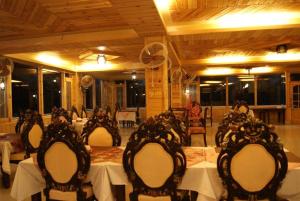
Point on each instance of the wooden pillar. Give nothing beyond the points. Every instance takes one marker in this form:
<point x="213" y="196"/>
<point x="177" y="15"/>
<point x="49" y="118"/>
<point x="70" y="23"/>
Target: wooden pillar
<point x="227" y="108"/>
<point x="156" y="84"/>
<point x="255" y="90"/>
<point x="78" y="92"/>
<point x="94" y="93"/>
<point x="288" y="98"/>
<point x="9" y="94"/>
<point x="40" y="90"/>
<point x="63" y="91"/>
<point x="198" y="90"/>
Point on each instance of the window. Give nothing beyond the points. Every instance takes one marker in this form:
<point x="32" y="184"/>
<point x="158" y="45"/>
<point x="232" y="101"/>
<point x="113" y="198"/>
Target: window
<point x="271" y="90"/>
<point x="119" y="88"/>
<point x="98" y="92"/>
<point x="3" y="105"/>
<point x="135" y="93"/>
<point x="295" y="76"/>
<point x="89" y="98"/>
<point x="241" y="89"/>
<point x="296" y="96"/>
<point x="51" y="90"/>
<point x="24" y="88"/>
<point x="213" y="91"/>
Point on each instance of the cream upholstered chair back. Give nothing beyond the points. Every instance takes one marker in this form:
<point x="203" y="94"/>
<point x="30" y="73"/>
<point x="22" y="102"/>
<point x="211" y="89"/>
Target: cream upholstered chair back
<point x="61" y="162"/>
<point x="253" y="163"/>
<point x="100" y="137"/>
<point x="153" y="174"/>
<point x="101" y="131"/>
<point x="64" y="162"/>
<point x="32" y="134"/>
<point x="253" y="167"/>
<point x="154" y="162"/>
<point x="35" y="135"/>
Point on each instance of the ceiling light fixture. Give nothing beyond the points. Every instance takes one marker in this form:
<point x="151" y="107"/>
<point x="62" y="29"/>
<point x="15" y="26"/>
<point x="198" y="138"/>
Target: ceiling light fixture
<point x="2" y="85"/>
<point x="133" y="75"/>
<point x="101" y="59"/>
<point x="280" y="49"/>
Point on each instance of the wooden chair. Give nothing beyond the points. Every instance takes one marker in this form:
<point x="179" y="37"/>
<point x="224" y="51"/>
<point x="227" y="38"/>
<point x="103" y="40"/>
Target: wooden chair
<point x="241" y="107"/>
<point x="149" y="149"/>
<point x="83" y="112"/>
<point x="253" y="163"/>
<point x="229" y="124"/>
<point x="180" y="114"/>
<point x="64" y="163"/>
<point x="209" y="114"/>
<point x="197" y="126"/>
<point x="174" y="125"/>
<point x="101" y="131"/>
<point x="60" y="115"/>
<point x="74" y="113"/>
<point x="32" y="135"/>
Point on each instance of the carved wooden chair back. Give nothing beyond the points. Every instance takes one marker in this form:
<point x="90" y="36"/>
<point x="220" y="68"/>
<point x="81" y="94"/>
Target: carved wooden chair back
<point x="32" y="134"/>
<point x="60" y="115"/>
<point x="253" y="163"/>
<point x="175" y="125"/>
<point x="83" y="113"/>
<point x="64" y="163"/>
<point x="229" y="124"/>
<point x="154" y="162"/>
<point x="101" y="131"/>
<point x="74" y="113"/>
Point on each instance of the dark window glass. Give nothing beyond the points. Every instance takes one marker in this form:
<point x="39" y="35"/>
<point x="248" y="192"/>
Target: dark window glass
<point x="135" y="93"/>
<point x="241" y="89"/>
<point x="98" y="92"/>
<point x="51" y="90"/>
<point x="213" y="90"/>
<point x="295" y="76"/>
<point x="3" y="104"/>
<point x="24" y="88"/>
<point x="89" y="98"/>
<point x="271" y="90"/>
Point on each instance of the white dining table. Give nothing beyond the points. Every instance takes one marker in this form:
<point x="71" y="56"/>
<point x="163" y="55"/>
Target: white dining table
<point x="201" y="176"/>
<point x="79" y="124"/>
<point x="6" y="148"/>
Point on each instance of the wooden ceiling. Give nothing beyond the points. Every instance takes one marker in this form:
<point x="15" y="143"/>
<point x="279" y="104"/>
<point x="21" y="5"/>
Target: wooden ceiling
<point x="70" y="27"/>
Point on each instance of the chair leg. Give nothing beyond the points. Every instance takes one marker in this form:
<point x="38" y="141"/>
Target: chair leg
<point x="211" y="122"/>
<point x="204" y="137"/>
<point x="5" y="179"/>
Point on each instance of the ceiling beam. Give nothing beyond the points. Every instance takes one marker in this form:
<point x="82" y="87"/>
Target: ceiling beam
<point x="204" y="27"/>
<point x="44" y="43"/>
<point x="250" y="61"/>
<point x="140" y="15"/>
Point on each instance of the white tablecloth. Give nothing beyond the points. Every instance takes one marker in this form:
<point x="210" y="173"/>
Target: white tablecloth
<point x="126" y="116"/>
<point x="201" y="177"/>
<point x="5" y="150"/>
<point x="78" y="125"/>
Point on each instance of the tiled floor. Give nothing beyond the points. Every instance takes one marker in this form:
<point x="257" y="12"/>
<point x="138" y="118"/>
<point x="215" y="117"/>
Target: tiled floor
<point x="289" y="134"/>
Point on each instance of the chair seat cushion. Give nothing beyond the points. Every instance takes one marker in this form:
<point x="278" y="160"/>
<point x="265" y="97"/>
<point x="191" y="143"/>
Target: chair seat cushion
<point x="151" y="198"/>
<point x="70" y="195"/>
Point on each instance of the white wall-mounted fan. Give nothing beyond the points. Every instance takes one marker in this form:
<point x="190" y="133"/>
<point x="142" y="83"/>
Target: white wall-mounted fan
<point x="153" y="55"/>
<point x="86" y="81"/>
<point x="5" y="66"/>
